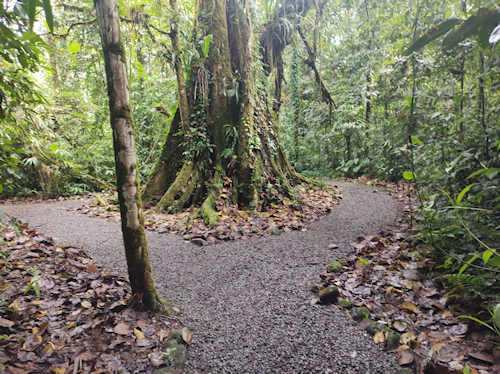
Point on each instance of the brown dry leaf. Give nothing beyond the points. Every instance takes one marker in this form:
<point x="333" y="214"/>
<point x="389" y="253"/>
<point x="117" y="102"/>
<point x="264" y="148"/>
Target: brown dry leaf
<point x="32" y="342"/>
<point x="59" y="369"/>
<point x="6" y="323"/>
<point x="92" y="268"/>
<point x="482" y="356"/>
<point x="187" y="336"/>
<point x="410" y="307"/>
<point x="405" y="357"/>
<point x="14" y="306"/>
<point x="408" y="337"/>
<point x="122" y="329"/>
<point x="400" y="326"/>
<point x="157" y="359"/>
<point x="379" y="337"/>
<point x="139" y="334"/>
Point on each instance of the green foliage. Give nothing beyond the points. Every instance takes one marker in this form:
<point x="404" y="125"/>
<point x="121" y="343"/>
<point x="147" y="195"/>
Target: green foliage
<point x="480" y="25"/>
<point x="410" y="114"/>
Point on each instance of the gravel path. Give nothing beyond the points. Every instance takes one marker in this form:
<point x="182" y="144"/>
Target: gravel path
<point x="248" y="302"/>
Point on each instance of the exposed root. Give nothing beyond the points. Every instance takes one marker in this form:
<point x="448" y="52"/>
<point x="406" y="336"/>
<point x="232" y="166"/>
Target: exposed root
<point x="149" y="302"/>
<point x="180" y="190"/>
<point x="207" y="209"/>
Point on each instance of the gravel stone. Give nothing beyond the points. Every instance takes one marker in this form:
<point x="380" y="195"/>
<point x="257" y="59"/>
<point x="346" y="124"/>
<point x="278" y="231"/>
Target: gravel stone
<point x="247" y="302"/>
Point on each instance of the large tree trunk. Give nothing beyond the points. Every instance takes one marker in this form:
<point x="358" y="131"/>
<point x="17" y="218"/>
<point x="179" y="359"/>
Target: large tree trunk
<point x="144" y="294"/>
<point x="232" y="134"/>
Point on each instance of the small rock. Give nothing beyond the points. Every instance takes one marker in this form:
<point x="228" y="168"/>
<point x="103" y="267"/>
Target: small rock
<point x="328" y="295"/>
<point x="333" y="246"/>
<point x="392" y="342"/>
<point x="345" y="303"/>
<point x="199" y="241"/>
<point x="361" y="314"/>
<point x="334" y="267"/>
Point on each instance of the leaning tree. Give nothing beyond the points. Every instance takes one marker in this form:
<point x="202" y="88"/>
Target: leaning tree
<point x="223" y="132"/>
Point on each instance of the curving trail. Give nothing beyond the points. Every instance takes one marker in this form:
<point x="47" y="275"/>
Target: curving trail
<point x="248" y="302"/>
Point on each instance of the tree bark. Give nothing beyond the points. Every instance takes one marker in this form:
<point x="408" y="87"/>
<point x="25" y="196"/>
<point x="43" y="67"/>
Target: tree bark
<point x="144" y="294"/>
<point x="231" y="121"/>
<point x="482" y="107"/>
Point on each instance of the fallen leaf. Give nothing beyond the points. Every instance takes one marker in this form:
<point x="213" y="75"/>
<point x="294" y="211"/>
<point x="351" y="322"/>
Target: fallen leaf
<point x="6" y="323"/>
<point x="407" y="338"/>
<point x="58" y="369"/>
<point x="157" y="359"/>
<point x="482" y="356"/>
<point x="122" y="329"/>
<point x="32" y="342"/>
<point x="139" y="334"/>
<point x="379" y="337"/>
<point x="405" y="357"/>
<point x="410" y="307"/>
<point x="86" y="304"/>
<point x="187" y="336"/>
<point x="92" y="268"/>
<point x="400" y="326"/>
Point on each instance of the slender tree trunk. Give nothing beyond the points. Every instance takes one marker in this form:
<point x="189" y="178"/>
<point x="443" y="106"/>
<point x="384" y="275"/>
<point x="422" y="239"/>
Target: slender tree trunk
<point x="179" y="71"/>
<point x="144" y="294"/>
<point x="482" y="106"/>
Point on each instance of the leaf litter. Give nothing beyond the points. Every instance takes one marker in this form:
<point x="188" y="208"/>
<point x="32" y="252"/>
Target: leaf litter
<point x="283" y="215"/>
<point x="74" y="316"/>
<point x="385" y="284"/>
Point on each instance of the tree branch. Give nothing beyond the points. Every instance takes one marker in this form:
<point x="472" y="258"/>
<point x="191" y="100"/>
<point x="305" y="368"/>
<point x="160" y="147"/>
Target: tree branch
<point x="310" y="61"/>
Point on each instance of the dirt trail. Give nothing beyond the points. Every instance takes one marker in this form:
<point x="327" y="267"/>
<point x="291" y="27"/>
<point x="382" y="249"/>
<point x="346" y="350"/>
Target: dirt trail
<point x="248" y="302"/>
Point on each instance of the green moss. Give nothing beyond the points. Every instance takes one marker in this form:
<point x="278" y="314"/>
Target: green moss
<point x="362" y="313"/>
<point x="392" y="342"/>
<point x="334" y="267"/>
<point x="345" y="303"/>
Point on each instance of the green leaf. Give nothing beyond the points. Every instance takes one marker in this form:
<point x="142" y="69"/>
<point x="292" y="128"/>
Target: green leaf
<point x="478" y="321"/>
<point x="496" y="316"/>
<point x="488" y="171"/>
<point x="487" y="255"/>
<point x="415" y="140"/>
<point x="494" y="261"/>
<point x="49" y="17"/>
<point x="466" y="265"/>
<point x="481" y="25"/>
<point x="206" y="45"/>
<point x="364" y="261"/>
<point x="74" y="47"/>
<point x="490" y="21"/>
<point x="30" y="9"/>
<point x="463" y="192"/>
<point x="433" y="34"/>
<point x="408" y="175"/>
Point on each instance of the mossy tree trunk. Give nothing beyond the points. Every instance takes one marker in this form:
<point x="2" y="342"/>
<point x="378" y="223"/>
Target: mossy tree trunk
<point x="231" y="132"/>
<point x="144" y="294"/>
